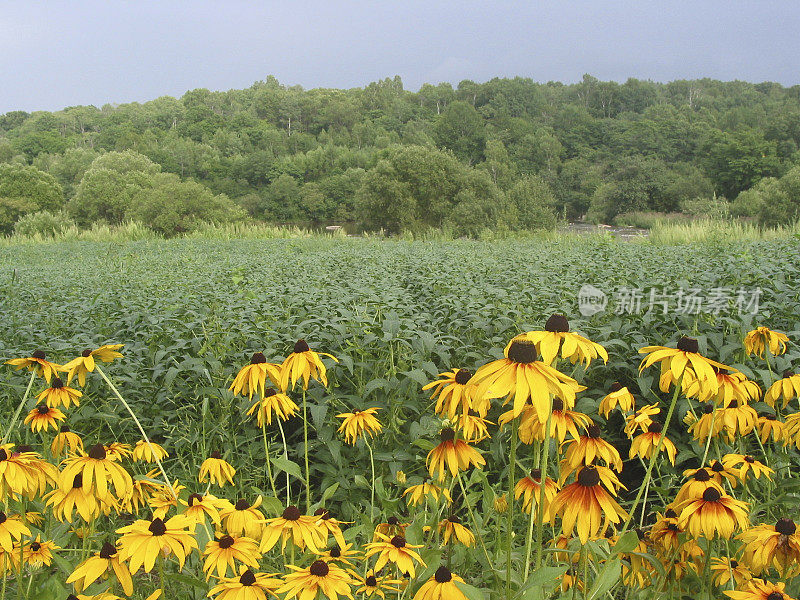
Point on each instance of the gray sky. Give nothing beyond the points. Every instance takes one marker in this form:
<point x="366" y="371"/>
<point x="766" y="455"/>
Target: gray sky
<point x="62" y="53"/>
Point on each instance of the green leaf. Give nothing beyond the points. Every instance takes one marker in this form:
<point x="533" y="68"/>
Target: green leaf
<point x="607" y="579"/>
<point x="626" y="543"/>
<point x="291" y="467"/>
<point x="471" y="592"/>
<point x="329" y="491"/>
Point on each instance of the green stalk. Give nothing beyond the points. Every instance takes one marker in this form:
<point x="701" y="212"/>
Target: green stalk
<point x="167" y="482"/>
<point x="266" y="456"/>
<point x="285" y="457"/>
<point x="372" y="487"/>
<point x="19" y="408"/>
<point x="478" y="533"/>
<point x="305" y="452"/>
<point x="532" y="518"/>
<point x="710" y="435"/>
<point x="510" y="519"/>
<point x="543" y="467"/>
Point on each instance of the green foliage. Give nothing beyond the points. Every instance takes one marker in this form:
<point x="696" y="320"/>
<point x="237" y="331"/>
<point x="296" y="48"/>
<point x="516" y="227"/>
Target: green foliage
<point x="532" y="200"/>
<point x="43" y="224"/>
<point x="460" y="129"/>
<point x="25" y="189"/>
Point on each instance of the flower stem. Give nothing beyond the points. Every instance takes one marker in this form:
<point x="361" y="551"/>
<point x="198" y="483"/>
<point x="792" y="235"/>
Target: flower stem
<point x="305" y="452"/>
<point x="266" y="456"/>
<point x="510" y="520"/>
<point x="372" y="487"/>
<point x="19" y="409"/>
<point x="542" y="483"/>
<point x="532" y="519"/>
<point x="478" y="533"/>
<point x="141" y="430"/>
<point x="710" y="435"/>
<point x="285" y="457"/>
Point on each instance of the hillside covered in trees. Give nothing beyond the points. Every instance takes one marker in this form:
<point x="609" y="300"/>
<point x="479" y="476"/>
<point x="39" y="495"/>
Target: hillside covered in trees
<point x="508" y="153"/>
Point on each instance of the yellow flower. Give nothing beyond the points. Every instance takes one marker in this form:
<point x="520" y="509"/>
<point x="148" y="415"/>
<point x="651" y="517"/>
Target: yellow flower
<point x="144" y="541"/>
<point x="618" y="396"/>
<point x="699" y="480"/>
<point x="645" y="444"/>
<point x="99" y="565"/>
<point x="715" y="512"/>
<point x="198" y="507"/>
<point x="500" y="504"/>
<point x="59" y="394"/>
<point x="758" y="589"/>
<point x="590" y="447"/>
<point x="417" y="493"/>
<point x="473" y="428"/>
<point x="710" y="418"/>
<point x="272" y="401"/>
<point x="791" y="431"/>
<point x="562" y="422"/>
<point x="118" y="450"/>
<point x="641" y="419"/>
<point x="43" y="418"/>
<point x="303" y="364"/>
<point x="359" y="422"/>
<point x="38" y="553"/>
<point x="738" y="417"/>
<point x="331" y="526"/>
<point x="320" y="578"/>
<point x="683" y="361"/>
<point x="768" y="546"/>
<point x="748" y="465"/>
<point x="529" y="489"/>
<point x="573" y="346"/>
<point x="731" y="385"/>
<point x="11" y="529"/>
<point x="64" y="503"/>
<point x="247" y="586"/>
<point x="36" y="363"/>
<point x="97" y="470"/>
<point x="341" y="554"/>
<point x="145" y="488"/>
<point x="451" y="527"/>
<point x="372" y="585"/>
<point x="304" y="531"/>
<point x="17" y="471"/>
<point x="452" y="454"/>
<point x="442" y="586"/>
<point x="390" y="528"/>
<point x="769" y="425"/>
<point x="252" y="378"/>
<point x="65" y="440"/>
<point x="244" y="518"/>
<point x="395" y="550"/>
<point x="786" y="388"/>
<point x="85" y="363"/>
<point x="761" y="338"/>
<point x="217" y="470"/>
<point x="148" y="452"/>
<point x="223" y="552"/>
<point x="524" y="378"/>
<point x="454" y="394"/>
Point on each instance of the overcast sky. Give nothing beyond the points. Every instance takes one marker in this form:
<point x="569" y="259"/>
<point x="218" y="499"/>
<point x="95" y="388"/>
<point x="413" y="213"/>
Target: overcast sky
<point x="62" y="53"/>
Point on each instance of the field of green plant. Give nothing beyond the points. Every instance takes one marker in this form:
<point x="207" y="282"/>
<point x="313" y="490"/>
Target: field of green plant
<point x="191" y="313"/>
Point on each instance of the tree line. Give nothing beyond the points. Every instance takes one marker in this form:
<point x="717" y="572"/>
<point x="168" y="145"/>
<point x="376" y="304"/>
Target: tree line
<point x="504" y="154"/>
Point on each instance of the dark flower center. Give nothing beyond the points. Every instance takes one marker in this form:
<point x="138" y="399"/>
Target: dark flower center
<point x="322" y="512"/>
<point x="65" y="429"/>
<point x="708" y="408"/>
<point x="241" y="504"/>
<point x="393" y="520"/>
<point x="785" y="526"/>
<point x="319" y="568"/>
<point x="107" y="551"/>
<point x="24" y="448"/>
<point x="734" y="563"/>
<point x="655" y="427"/>
<point x="86" y="353"/>
<point x="687" y="344"/>
<point x="157" y="527"/>
<point x="593" y="431"/>
<point x="336" y="552"/>
<point x="447" y="434"/>
<point x="775" y="596"/>
<point x="733" y="404"/>
<point x="749" y="459"/>
<point x="225" y="542"/>
<point x="270" y="392"/>
<point x="717" y="467"/>
<point x="443" y="575"/>
<point x="247" y="578"/>
<point x="671" y="514"/>
<point x="558" y="404"/>
<point x="72" y="597"/>
<point x="195" y="499"/>
<point x="769" y="416"/>
<point x="42" y="409"/>
<point x="3" y="455"/>
<point x="787" y="373"/>
<point x="38" y="354"/>
<point x="536" y="474"/>
<point x="702" y="475"/>
<point x="719" y="371"/>
<point x="588" y="476"/>
<point x="557" y="323"/>
<point x="454" y="519"/>
<point x="398" y="541"/>
<point x="371" y="581"/>
<point x="522" y="351"/>
<point x="640" y="533"/>
<point x="36" y="546"/>
<point x="301" y="346"/>
<point x="291" y="513"/>
<point x="2" y="517"/>
<point x="258" y="358"/>
<point x="711" y="495"/>
<point x="58" y="383"/>
<point x="616" y="386"/>
<point x="97" y="452"/>
<point x="216" y="454"/>
<point x="672" y="527"/>
<point x="463" y="376"/>
<point x="77" y="482"/>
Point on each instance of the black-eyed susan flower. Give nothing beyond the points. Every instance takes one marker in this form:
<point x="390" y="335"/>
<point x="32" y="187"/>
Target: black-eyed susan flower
<point x="641" y="419"/>
<point x="442" y="586"/>
<point x="305" y="531"/>
<point x="76" y="498"/>
<point x="43" y="418"/>
<point x="165" y="498"/>
<point x="341" y="554"/>
<point x="768" y="426"/>
<point x="15" y="471"/>
<point x="719" y="472"/>
<point x="9" y="561"/>
<point x="373" y="585"/>
<point x="144" y="541"/>
<point x="272" y="402"/>
<point x="319" y="580"/>
<point x="589" y="448"/>
<point x="762" y="339"/>
<point x="11" y="528"/>
<point x="709" y="423"/>
<point x="217" y="470"/>
<point x="394" y="550"/>
<point x="713" y="513"/>
<point x="742" y="464"/>
<point x="34" y="518"/>
<point x="785" y="388"/>
<point x="791" y="430"/>
<point x="618" y="396"/>
<point x="698" y="481"/>
<point x="452" y="454"/>
<point x="65" y="442"/>
<point x="222" y="553"/>
<point x="417" y="493"/>
<point x="248" y="585"/>
<point x="644" y="445"/>
<point x="148" y="452"/>
<point x="682" y="361"/>
<point x="36" y="363"/>
<point x="731" y="385"/>
<point x="500" y="504"/>
<point x="454" y="395"/>
<point x="58" y="395"/>
<point x="331" y="525"/>
<point x="390" y="528"/>
<point x="738" y="418"/>
<point x="585" y="505"/>
<point x="145" y="487"/>
<point x="303" y="363"/>
<point x="665" y="532"/>
<point x="358" y="423"/>
<point x="772" y="546"/>
<point x="557" y="336"/>
<point x="723" y="569"/>
<point x="473" y="428"/>
<point x="85" y="363"/>
<point x="252" y="378"/>
<point x="198" y="507"/>
<point x="522" y="377"/>
<point x="244" y="518"/>
<point x="451" y="527"/>
<point x="562" y="423"/>
<point x="39" y="474"/>
<point x="98" y="470"/>
<point x="118" y="450"/>
<point x="758" y="589"/>
<point x="102" y="564"/>
<point x="528" y="488"/>
<point x="37" y="553"/>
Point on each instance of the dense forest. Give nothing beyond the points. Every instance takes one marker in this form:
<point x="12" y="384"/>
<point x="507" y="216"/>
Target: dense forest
<point x="508" y="153"/>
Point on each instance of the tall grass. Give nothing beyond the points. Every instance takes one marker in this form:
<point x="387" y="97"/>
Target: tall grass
<point x="709" y="230"/>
